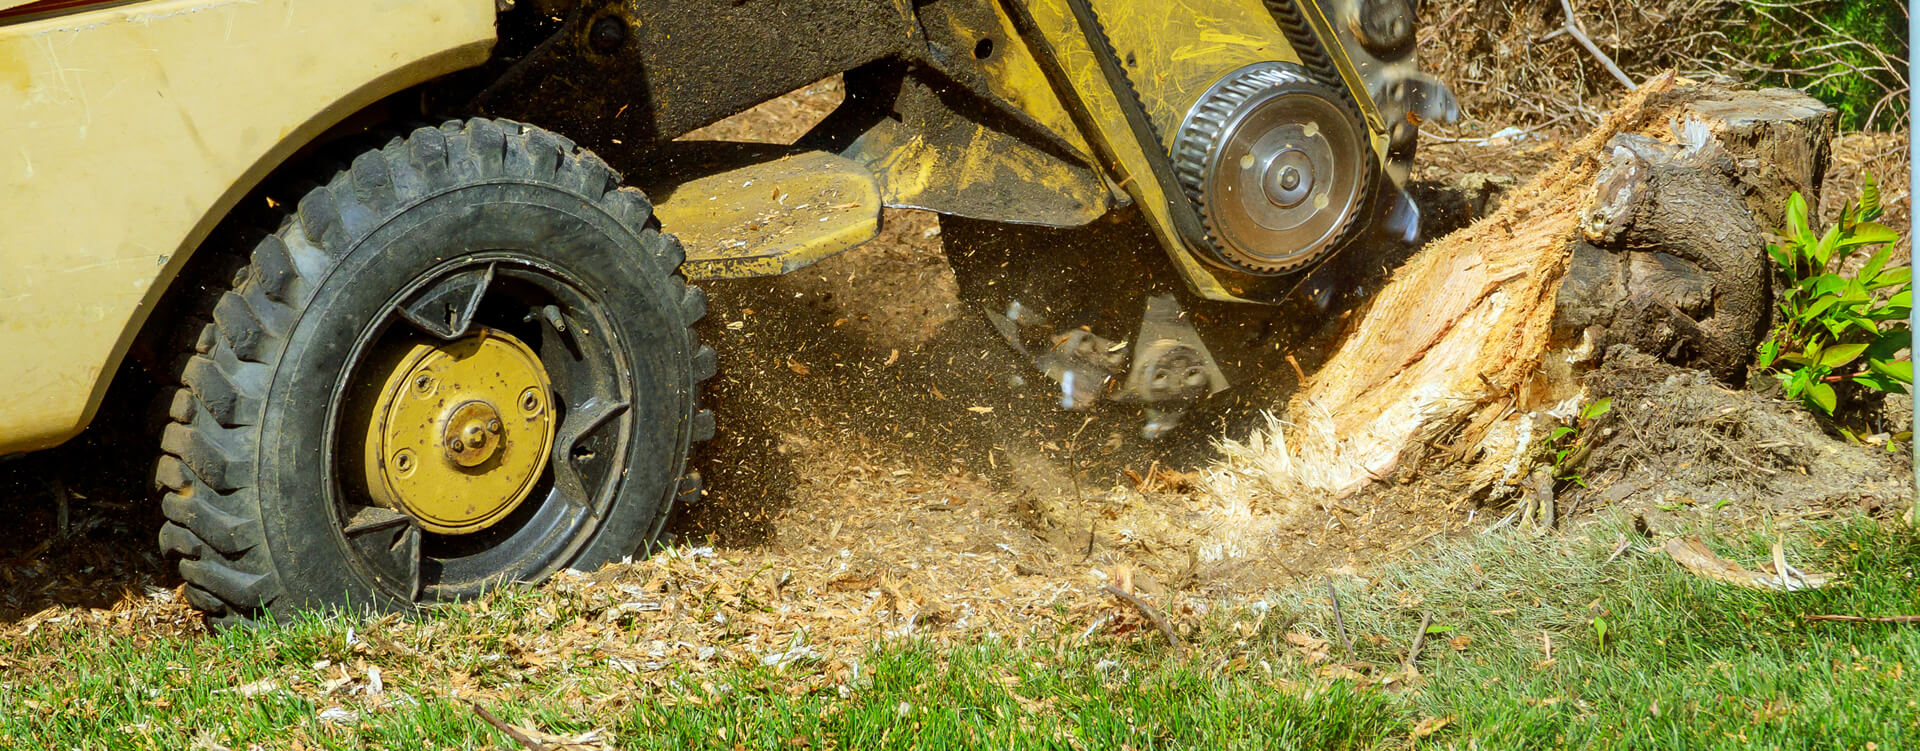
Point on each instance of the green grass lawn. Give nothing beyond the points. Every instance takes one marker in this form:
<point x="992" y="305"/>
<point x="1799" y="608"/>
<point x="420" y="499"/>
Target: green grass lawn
<point x="1683" y="663"/>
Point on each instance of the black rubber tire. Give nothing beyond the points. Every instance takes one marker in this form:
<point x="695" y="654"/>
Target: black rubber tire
<point x="250" y="503"/>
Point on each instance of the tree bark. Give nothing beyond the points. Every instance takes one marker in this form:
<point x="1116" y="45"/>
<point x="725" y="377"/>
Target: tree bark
<point x="1649" y="232"/>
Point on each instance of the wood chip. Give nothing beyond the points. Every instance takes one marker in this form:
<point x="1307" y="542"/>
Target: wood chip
<point x="1694" y="556"/>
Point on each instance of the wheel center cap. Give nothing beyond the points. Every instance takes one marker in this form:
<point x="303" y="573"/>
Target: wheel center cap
<point x="440" y="450"/>
<point x="472" y="433"/>
<point x="1289" y="178"/>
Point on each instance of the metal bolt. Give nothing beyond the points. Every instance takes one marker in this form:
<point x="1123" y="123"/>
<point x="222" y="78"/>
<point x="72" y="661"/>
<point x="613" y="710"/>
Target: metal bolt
<point x="457" y="446"/>
<point x="530" y="401"/>
<point x="403" y="461"/>
<point x="493" y="426"/>
<point x="423" y="383"/>
<point x="607" y="34"/>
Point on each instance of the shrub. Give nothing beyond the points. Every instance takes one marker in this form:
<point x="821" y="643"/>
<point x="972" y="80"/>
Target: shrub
<point x="1850" y="53"/>
<point x="1839" y="323"/>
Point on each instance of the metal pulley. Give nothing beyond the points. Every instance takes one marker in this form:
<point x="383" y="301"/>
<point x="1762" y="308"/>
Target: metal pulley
<point x="1279" y="165"/>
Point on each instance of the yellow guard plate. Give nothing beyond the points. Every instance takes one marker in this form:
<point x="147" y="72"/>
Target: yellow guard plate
<point x="771" y="218"/>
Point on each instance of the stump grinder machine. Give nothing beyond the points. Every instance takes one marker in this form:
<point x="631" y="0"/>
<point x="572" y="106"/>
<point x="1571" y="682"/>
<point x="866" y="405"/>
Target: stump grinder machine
<point x="411" y="337"/>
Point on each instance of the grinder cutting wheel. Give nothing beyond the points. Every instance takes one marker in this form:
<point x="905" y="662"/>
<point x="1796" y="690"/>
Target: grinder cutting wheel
<point x="1275" y="160"/>
<point x="398" y="364"/>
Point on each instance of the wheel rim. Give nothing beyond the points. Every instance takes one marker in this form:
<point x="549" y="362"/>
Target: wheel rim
<point x="500" y="337"/>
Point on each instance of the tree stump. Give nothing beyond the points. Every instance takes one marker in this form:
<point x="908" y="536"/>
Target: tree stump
<point x="1649" y="232"/>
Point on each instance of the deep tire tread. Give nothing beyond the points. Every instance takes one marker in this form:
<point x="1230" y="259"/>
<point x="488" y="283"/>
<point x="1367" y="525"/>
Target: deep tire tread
<point x="210" y="441"/>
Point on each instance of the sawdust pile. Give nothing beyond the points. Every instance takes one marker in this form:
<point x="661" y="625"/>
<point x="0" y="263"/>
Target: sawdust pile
<point x="811" y="612"/>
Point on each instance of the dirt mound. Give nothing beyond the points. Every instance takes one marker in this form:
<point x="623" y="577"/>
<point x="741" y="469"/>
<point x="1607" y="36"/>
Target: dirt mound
<point x="1676" y="444"/>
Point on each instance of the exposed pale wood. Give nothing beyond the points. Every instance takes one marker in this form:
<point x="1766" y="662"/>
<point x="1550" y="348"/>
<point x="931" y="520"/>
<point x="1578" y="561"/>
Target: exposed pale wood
<point x="1649" y="223"/>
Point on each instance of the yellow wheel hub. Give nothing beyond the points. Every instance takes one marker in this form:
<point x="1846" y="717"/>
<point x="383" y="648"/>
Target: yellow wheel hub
<point x="461" y="432"/>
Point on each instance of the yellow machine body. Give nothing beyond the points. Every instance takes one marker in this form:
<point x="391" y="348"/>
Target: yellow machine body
<point x="129" y="132"/>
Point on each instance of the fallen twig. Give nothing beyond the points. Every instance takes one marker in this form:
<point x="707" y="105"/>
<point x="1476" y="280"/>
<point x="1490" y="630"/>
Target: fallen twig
<point x="1503" y="522"/>
<point x="1619" y="546"/>
<point x="1572" y="26"/>
<point x="1907" y="619"/>
<point x="1073" y="471"/>
<point x="1339" y="620"/>
<point x="511" y="731"/>
<point x="1787" y="573"/>
<point x="1694" y="556"/>
<point x="1419" y="640"/>
<point x="1152" y="614"/>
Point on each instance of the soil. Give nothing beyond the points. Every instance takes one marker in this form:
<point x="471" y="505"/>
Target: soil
<point x="873" y="426"/>
<point x="1678" y="446"/>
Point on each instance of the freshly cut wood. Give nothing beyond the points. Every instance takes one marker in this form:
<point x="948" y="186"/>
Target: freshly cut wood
<point x="1648" y="232"/>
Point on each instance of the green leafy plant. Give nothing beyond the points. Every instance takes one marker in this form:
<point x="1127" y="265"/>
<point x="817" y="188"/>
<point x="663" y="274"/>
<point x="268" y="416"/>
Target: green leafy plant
<point x="1839" y="324"/>
<point x="1600" y="632"/>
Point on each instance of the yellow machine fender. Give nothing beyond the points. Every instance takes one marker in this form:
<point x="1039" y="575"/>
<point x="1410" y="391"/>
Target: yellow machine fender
<point x="127" y="132"/>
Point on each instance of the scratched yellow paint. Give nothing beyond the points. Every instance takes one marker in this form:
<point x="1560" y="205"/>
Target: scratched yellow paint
<point x="1153" y="33"/>
<point x="732" y="227"/>
<point x="129" y="131"/>
<point x="1179" y="48"/>
<point x="1016" y="76"/>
